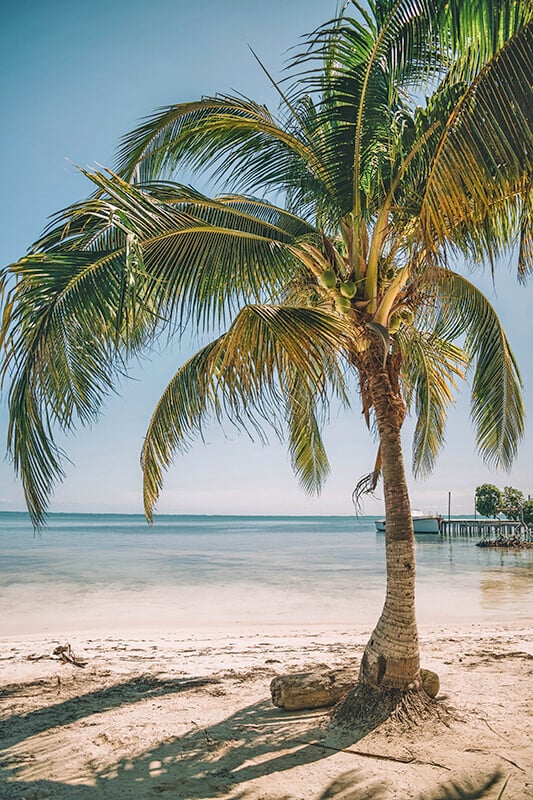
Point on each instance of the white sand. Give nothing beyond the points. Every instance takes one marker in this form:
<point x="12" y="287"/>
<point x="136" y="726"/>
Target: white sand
<point x="188" y="717"/>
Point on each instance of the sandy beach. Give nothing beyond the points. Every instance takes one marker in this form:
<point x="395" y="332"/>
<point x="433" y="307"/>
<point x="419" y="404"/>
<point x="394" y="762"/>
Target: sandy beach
<point x="189" y="716"/>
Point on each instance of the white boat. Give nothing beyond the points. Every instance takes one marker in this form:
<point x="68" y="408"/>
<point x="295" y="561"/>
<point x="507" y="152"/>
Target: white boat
<point x="421" y="524"/>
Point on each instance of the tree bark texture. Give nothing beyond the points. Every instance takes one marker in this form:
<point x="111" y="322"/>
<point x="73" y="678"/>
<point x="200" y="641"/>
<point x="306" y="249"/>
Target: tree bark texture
<point x="392" y="658"/>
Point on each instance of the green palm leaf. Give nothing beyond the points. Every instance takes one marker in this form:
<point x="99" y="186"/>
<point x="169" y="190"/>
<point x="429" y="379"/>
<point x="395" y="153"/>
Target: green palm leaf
<point x="308" y="455"/>
<point x="270" y="357"/>
<point x="69" y="322"/>
<point x="431" y="365"/>
<point x="104" y="280"/>
<point x="365" y="62"/>
<point x="233" y="137"/>
<point x="482" y="166"/>
<point x="497" y="407"/>
<point x="199" y="256"/>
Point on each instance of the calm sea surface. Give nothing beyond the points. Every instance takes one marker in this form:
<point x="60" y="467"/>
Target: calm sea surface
<point x="113" y="572"/>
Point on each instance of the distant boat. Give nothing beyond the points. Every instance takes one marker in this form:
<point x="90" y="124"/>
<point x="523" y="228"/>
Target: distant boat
<point x="421" y="524"/>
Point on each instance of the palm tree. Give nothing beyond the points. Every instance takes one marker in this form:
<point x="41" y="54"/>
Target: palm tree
<point x="327" y="264"/>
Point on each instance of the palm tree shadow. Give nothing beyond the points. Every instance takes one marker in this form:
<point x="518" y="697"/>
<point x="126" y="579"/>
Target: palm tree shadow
<point x="18" y="727"/>
<point x="257" y="741"/>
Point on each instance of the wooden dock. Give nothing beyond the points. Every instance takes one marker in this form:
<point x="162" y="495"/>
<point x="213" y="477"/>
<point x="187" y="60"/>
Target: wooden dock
<point x="485" y="528"/>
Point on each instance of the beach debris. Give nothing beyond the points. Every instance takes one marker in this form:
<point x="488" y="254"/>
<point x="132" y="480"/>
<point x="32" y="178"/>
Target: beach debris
<point x="504" y="758"/>
<point x="407" y="759"/>
<point x="64" y="651"/>
<point x="430" y="682"/>
<point x="505" y="541"/>
<point x="306" y="690"/>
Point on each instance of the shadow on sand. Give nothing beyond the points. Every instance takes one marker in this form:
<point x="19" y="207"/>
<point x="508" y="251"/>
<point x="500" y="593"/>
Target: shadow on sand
<point x="15" y="729"/>
<point x="257" y="741"/>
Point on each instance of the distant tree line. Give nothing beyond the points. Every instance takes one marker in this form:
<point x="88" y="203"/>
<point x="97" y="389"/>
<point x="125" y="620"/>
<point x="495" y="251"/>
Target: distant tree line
<point x="491" y="501"/>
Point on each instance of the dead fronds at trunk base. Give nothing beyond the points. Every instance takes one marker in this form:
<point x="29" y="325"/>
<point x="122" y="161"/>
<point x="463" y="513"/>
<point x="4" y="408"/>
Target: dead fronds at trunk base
<point x="365" y="707"/>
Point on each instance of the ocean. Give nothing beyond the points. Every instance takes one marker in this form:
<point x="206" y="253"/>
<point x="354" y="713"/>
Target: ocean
<point x="114" y="573"/>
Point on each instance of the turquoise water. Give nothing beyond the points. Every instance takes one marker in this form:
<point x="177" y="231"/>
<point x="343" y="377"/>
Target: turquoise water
<point x="92" y="571"/>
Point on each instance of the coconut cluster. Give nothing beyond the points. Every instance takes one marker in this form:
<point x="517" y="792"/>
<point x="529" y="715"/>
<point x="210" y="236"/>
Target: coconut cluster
<point x="342" y="297"/>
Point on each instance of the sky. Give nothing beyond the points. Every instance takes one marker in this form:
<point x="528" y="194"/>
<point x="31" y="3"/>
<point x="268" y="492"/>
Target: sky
<point x="75" y="77"/>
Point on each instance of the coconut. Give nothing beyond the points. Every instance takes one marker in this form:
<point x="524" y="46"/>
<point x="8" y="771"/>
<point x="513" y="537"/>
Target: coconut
<point x="342" y="305"/>
<point x="394" y="324"/>
<point x="348" y="289"/>
<point x="327" y="279"/>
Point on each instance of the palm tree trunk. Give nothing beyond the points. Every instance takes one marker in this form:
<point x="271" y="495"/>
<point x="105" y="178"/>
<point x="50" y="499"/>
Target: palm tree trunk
<point x="391" y="659"/>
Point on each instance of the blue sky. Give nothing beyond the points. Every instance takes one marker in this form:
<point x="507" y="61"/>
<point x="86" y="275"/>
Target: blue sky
<point x="75" y="77"/>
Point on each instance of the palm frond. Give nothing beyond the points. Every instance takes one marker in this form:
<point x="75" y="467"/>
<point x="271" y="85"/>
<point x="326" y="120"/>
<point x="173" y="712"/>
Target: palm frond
<point x="69" y="322"/>
<point x="200" y="257"/>
<point x="356" y="67"/>
<point x="430" y="367"/>
<point x="473" y="32"/>
<point x="246" y="376"/>
<point x="107" y="277"/>
<point x="36" y="457"/>
<point x="308" y="455"/>
<point x="481" y="170"/>
<point x="496" y="401"/>
<point x="525" y="252"/>
<point x="229" y="137"/>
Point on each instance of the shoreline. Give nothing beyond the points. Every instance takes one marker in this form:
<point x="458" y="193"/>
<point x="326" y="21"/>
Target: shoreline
<point x="187" y="715"/>
<point x="360" y="631"/>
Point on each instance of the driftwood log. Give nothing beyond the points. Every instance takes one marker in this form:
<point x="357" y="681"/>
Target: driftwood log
<point x="317" y="689"/>
<point x="323" y="688"/>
